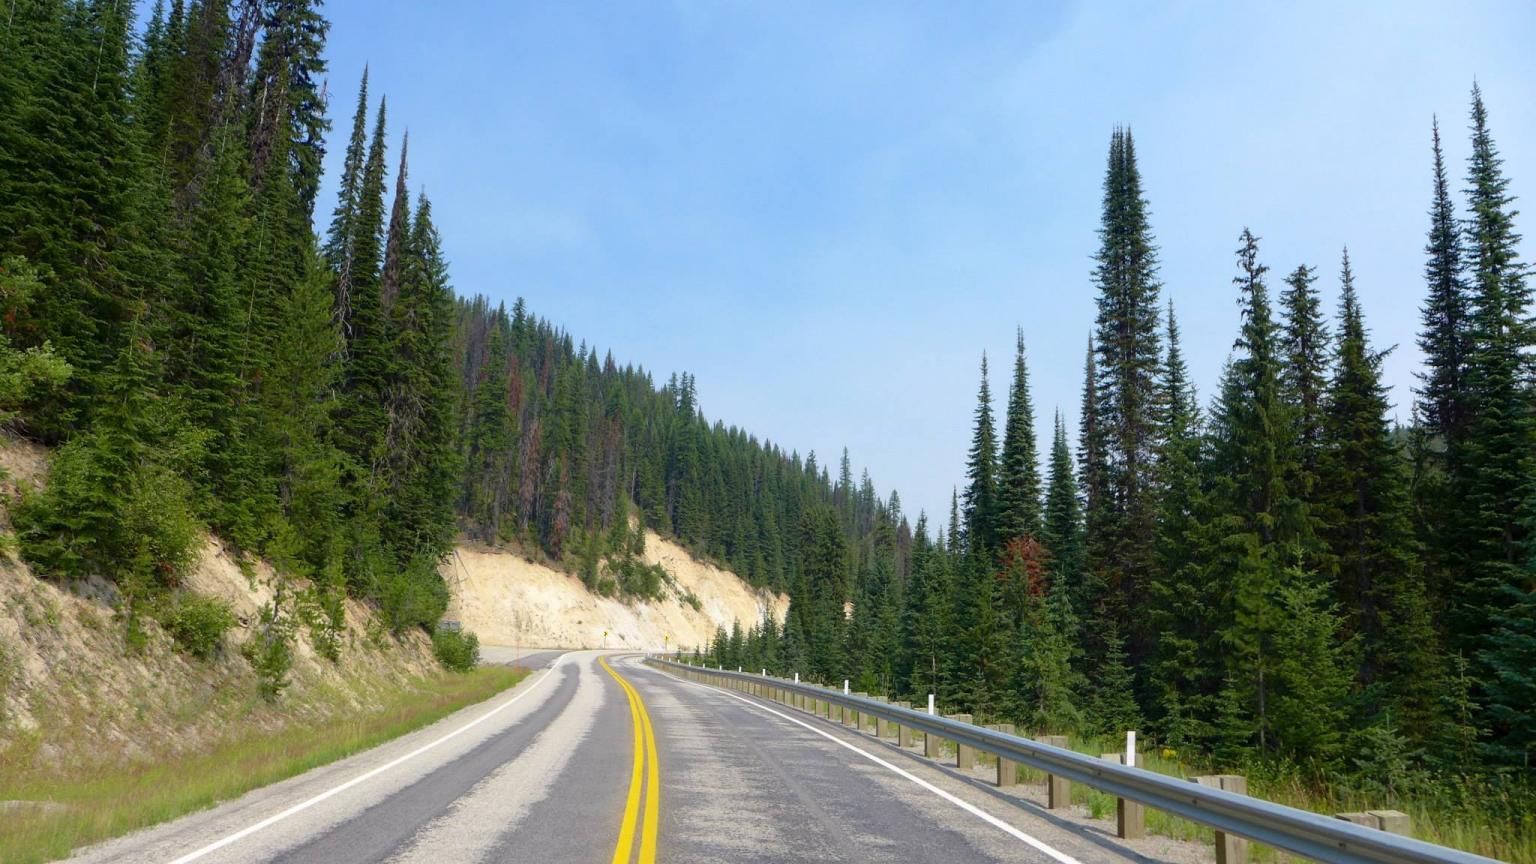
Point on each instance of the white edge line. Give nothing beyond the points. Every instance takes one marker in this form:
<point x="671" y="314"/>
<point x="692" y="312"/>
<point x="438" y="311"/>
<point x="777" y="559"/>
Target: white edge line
<point x="336" y="790"/>
<point x="972" y="809"/>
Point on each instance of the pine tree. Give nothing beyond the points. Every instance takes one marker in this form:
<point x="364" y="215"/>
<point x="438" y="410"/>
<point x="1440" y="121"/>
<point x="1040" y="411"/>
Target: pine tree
<point x="1122" y="527"/>
<point x="1258" y="525"/>
<point x="1019" y="471"/>
<point x="364" y="326"/>
<point x="1306" y="346"/>
<point x="288" y="98"/>
<point x="1063" y="528"/>
<point x="1495" y="459"/>
<point x="1379" y="583"/>
<point x="1445" y="314"/>
<point x="340" y="238"/>
<point x="1187" y="668"/>
<point x="981" y="476"/>
<point x="1048" y="682"/>
<point x="1092" y="478"/>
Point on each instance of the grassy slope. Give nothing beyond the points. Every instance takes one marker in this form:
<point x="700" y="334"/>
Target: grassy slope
<point x="96" y="802"/>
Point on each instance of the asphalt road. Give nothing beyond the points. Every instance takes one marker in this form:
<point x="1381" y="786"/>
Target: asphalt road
<point x="568" y="765"/>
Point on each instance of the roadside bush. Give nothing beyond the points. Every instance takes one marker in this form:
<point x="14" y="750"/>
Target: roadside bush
<point x="456" y="650"/>
<point x="270" y="651"/>
<point x="197" y="624"/>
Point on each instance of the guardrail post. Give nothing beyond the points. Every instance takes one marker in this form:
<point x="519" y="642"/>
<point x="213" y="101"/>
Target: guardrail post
<point x="859" y="716"/>
<point x="1130" y="817"/>
<point x="1393" y="822"/>
<point x="1229" y="849"/>
<point x="884" y="727"/>
<point x="1007" y="769"/>
<point x="1058" y="790"/>
<point x="965" y="756"/>
<point x="1390" y="821"/>
<point x="904" y="736"/>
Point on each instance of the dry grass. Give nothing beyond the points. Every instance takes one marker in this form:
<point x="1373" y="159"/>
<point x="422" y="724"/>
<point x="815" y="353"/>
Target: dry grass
<point x="108" y="799"/>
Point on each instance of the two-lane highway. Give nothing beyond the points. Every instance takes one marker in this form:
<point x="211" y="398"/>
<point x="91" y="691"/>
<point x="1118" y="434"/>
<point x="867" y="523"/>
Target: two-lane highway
<point x="600" y="758"/>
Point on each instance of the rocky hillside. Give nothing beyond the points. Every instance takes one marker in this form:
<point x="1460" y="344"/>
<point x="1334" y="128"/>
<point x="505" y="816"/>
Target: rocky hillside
<point x="507" y="599"/>
<point x="71" y="690"/>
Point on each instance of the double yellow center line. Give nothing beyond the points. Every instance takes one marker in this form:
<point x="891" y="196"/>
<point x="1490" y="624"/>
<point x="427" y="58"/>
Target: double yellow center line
<point x="645" y="769"/>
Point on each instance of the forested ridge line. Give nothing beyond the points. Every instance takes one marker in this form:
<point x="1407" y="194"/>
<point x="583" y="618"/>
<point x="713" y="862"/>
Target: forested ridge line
<point x="201" y="360"/>
<point x="1280" y="579"/>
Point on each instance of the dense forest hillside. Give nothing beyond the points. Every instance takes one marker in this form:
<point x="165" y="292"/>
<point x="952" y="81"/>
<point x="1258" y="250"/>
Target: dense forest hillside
<point x="1280" y="578"/>
<point x="200" y="360"/>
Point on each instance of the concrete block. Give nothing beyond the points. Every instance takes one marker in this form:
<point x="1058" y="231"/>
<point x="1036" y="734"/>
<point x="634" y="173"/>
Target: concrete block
<point x="1229" y="849"/>
<point x="1130" y="817"/>
<point x="1007" y="769"/>
<point x="1058" y="790"/>
<point x="1365" y="819"/>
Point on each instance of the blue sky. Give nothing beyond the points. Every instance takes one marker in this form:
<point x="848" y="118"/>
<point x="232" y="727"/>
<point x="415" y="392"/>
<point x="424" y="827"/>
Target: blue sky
<point x="828" y="211"/>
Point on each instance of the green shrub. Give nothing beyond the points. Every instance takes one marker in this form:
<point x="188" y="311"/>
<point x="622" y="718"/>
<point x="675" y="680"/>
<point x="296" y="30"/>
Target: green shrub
<point x="101" y="515"/>
<point x="270" y="651"/>
<point x="197" y="624"/>
<point x="456" y="650"/>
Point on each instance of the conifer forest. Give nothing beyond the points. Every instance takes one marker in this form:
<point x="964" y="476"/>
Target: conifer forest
<point x="1291" y="573"/>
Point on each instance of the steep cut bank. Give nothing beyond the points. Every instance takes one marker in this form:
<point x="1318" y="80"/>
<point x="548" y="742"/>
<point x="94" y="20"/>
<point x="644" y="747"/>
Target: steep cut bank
<point x="72" y="693"/>
<point x="507" y="599"/>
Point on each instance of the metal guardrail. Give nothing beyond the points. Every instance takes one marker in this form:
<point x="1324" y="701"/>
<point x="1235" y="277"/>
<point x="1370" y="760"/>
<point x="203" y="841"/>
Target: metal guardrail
<point x="1310" y="835"/>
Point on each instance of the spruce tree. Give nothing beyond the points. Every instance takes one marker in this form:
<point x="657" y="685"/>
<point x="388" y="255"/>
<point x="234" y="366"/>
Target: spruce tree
<point x="1063" y="527"/>
<point x="981" y="476"/>
<point x="1122" y="523"/>
<point x="1379" y="582"/>
<point x="1258" y="526"/>
<point x="1187" y="668"/>
<point x="1445" y="316"/>
<point x="1306" y="346"/>
<point x="1495" y="459"/>
<point x="1019" y="471"/>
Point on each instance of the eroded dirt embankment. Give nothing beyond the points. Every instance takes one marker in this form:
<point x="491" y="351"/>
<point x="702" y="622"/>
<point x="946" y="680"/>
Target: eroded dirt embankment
<point x="507" y="599"/>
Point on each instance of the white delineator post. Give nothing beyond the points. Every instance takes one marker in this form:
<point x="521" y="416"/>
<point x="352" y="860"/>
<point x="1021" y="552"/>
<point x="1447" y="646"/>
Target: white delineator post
<point x="930" y="743"/>
<point x="1130" y="748"/>
<point x="845" y="686"/>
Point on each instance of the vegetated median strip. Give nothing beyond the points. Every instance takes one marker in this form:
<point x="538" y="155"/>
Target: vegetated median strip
<point x="361" y="778"/>
<point x="642" y="723"/>
<point x="972" y="809"/>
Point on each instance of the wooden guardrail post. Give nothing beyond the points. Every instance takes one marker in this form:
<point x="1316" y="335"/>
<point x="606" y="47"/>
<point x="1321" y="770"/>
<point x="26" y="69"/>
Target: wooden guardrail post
<point x="884" y="728"/>
<point x="1058" y="790"/>
<point x="1393" y="822"/>
<point x="1390" y="821"/>
<point x="858" y="716"/>
<point x="1007" y="769"/>
<point x="1130" y="817"/>
<point x="1229" y="849"/>
<point x="904" y="736"/>
<point x="965" y="756"/>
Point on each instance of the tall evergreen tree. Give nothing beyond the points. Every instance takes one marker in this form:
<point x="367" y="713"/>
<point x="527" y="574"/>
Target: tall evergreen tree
<point x="1258" y="525"/>
<point x="1187" y="669"/>
<point x="1495" y="459"/>
<point x="1379" y="581"/>
<point x="981" y="476"/>
<point x="1019" y="471"/>
<point x="1122" y="538"/>
<point x="1445" y="316"/>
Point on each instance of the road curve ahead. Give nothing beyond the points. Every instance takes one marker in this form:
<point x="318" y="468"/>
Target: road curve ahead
<point x="599" y="758"/>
